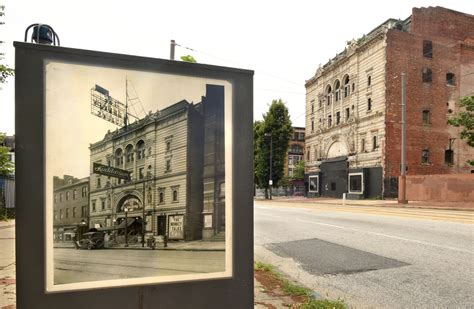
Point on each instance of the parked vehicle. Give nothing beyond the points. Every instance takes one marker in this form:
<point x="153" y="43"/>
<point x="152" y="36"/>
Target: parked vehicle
<point x="91" y="240"/>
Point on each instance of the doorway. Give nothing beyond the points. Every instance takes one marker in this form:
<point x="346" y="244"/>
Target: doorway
<point x="161" y="225"/>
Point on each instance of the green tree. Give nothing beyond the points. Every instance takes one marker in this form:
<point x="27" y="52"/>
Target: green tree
<point x="298" y="172"/>
<point x="465" y="120"/>
<point x="6" y="166"/>
<point x="188" y="58"/>
<point x="5" y="72"/>
<point x="275" y="129"/>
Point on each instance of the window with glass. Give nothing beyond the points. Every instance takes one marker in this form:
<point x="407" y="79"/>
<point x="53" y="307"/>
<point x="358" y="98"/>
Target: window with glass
<point x="313" y="183"/>
<point x="356" y="183"/>
<point x="426" y="117"/>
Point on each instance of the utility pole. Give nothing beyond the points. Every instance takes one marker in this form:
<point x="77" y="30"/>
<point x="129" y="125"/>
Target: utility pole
<point x="172" y="46"/>
<point x="402" y="185"/>
<point x="270" y="181"/>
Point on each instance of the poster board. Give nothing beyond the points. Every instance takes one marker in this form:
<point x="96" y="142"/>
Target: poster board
<point x="35" y="86"/>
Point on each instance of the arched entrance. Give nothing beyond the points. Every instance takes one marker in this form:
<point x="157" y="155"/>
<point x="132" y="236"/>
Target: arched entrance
<point x="129" y="217"/>
<point x="334" y="171"/>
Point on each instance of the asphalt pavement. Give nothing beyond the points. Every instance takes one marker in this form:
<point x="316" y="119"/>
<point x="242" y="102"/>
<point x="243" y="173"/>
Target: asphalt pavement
<point x="370" y="256"/>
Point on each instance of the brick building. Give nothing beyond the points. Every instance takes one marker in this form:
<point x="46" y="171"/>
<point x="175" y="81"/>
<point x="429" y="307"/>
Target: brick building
<point x="353" y="114"/>
<point x="175" y="158"/>
<point x="295" y="151"/>
<point x="70" y="207"/>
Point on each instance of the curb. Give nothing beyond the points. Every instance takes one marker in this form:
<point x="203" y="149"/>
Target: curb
<point x="373" y="205"/>
<point x="148" y="249"/>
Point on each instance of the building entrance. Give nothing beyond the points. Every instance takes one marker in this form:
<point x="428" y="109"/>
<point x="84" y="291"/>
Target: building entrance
<point x="334" y="177"/>
<point x="161" y="225"/>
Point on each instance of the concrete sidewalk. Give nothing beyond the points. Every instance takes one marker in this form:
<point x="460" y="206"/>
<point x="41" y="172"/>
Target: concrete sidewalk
<point x="197" y="245"/>
<point x="376" y="203"/>
<point x="8" y="281"/>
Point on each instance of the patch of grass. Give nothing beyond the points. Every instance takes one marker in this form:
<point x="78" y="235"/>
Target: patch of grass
<point x="263" y="267"/>
<point x="293" y="289"/>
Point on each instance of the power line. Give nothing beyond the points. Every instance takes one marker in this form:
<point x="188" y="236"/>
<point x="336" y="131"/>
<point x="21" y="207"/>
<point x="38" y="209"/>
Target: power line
<point x="239" y="64"/>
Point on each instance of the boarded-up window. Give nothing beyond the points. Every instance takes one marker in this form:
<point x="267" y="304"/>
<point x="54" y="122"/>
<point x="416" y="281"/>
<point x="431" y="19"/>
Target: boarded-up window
<point x="427" y="49"/>
<point x="427" y="75"/>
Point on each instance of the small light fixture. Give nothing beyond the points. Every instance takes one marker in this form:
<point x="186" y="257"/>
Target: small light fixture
<point x="43" y="34"/>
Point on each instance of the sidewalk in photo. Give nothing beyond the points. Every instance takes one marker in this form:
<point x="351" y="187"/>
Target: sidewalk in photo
<point x="197" y="245"/>
<point x="376" y="203"/>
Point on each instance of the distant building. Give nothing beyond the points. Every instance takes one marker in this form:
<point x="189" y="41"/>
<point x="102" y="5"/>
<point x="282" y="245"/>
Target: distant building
<point x="353" y="114"/>
<point x="70" y="207"/>
<point x="175" y="158"/>
<point x="9" y="142"/>
<point x="7" y="182"/>
<point x="295" y="150"/>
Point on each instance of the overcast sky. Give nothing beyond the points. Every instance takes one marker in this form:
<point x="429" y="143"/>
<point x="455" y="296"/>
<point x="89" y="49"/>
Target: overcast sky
<point x="282" y="41"/>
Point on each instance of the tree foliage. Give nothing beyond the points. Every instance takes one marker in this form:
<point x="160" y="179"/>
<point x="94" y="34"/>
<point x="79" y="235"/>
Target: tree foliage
<point x="465" y="120"/>
<point x="277" y="123"/>
<point x="6" y="166"/>
<point x="298" y="172"/>
<point x="188" y="58"/>
<point x="5" y="72"/>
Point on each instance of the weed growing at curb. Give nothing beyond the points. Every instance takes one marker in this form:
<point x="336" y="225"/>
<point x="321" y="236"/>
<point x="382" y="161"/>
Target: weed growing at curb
<point x="293" y="289"/>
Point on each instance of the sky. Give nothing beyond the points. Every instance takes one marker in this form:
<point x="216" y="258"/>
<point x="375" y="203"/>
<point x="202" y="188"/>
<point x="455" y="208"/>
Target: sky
<point x="68" y="137"/>
<point x="282" y="41"/>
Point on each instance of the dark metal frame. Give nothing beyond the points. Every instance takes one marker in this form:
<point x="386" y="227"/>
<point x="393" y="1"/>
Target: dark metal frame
<point x="235" y="292"/>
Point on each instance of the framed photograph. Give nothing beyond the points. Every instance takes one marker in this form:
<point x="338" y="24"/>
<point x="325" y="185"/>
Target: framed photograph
<point x="136" y="162"/>
<point x="137" y="170"/>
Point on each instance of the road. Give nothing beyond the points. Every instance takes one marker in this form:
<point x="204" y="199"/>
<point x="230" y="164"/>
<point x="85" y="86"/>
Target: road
<point x="71" y="265"/>
<point x="371" y="256"/>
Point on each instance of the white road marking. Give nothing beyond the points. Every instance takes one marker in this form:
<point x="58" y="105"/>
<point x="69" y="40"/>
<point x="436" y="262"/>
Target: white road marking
<point x="377" y="234"/>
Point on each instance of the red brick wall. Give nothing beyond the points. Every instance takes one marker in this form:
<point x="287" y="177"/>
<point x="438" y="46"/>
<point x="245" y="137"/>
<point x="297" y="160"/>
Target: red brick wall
<point x="441" y="188"/>
<point x="445" y="29"/>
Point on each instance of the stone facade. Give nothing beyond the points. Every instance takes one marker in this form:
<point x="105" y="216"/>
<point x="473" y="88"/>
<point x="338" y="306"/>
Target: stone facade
<point x="353" y="105"/>
<point x="164" y="154"/>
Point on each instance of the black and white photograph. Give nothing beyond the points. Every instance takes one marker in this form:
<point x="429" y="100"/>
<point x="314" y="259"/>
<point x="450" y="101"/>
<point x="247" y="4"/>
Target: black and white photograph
<point x="137" y="177"/>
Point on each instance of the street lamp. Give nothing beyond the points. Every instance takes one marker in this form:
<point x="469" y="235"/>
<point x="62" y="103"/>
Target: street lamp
<point x="43" y="34"/>
<point x="270" y="181"/>
<point x="126" y="225"/>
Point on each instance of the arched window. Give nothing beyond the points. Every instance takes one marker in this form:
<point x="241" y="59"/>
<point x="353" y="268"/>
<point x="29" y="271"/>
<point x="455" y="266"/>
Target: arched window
<point x="347" y="86"/>
<point x="118" y="157"/>
<point x="175" y="195"/>
<point x="328" y="94"/>
<point x="337" y="90"/>
<point x="140" y="150"/>
<point x="129" y="153"/>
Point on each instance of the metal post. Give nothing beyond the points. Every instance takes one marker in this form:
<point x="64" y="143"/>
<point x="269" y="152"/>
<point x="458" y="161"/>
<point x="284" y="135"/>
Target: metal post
<point x="172" y="46"/>
<point x="126" y="227"/>
<point x="143" y="216"/>
<point x="402" y="185"/>
<point x="271" y="174"/>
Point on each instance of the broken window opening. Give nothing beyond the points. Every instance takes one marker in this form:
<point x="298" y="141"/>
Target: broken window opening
<point x="427" y="75"/>
<point x="449" y="156"/>
<point x="425" y="156"/>
<point x="427" y="49"/>
<point x="450" y="79"/>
